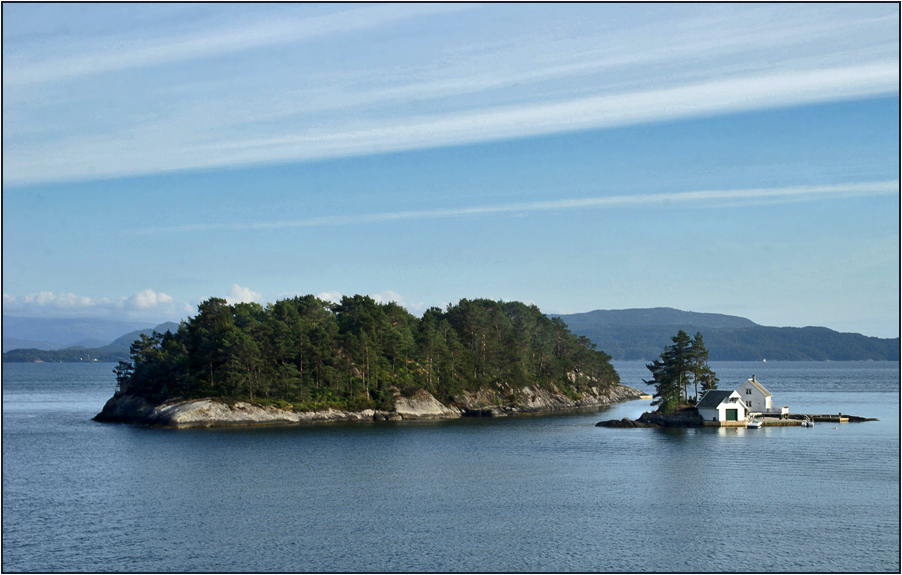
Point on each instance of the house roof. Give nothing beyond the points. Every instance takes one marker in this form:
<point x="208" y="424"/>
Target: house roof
<point x="760" y="387"/>
<point x="713" y="398"/>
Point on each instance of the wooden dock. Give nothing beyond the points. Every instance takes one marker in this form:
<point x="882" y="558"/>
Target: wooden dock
<point x="776" y="421"/>
<point x="798" y="418"/>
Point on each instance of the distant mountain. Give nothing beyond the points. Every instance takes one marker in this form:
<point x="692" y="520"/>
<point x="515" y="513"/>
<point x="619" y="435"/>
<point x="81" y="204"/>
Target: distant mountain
<point x="126" y="340"/>
<point x="89" y="342"/>
<point x="63" y="332"/>
<point x="118" y="350"/>
<point x="641" y="334"/>
<point x="16" y="343"/>
<point x="655" y="316"/>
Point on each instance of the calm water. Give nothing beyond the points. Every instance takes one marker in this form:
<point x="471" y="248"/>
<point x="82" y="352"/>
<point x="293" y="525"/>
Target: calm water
<point x="548" y="493"/>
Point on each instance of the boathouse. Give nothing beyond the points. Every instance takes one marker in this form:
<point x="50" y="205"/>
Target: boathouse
<point x="758" y="399"/>
<point x="718" y="407"/>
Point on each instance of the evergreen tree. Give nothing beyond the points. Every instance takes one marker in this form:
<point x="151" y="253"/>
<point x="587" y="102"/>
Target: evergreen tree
<point x="671" y="374"/>
<point x="701" y="371"/>
<point x="355" y="354"/>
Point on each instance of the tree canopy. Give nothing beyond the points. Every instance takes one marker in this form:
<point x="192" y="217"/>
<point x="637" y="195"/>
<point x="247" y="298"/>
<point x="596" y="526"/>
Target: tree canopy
<point x="306" y="353"/>
<point x="684" y="362"/>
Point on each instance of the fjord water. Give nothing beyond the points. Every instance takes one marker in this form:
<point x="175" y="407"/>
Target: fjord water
<point x="532" y="493"/>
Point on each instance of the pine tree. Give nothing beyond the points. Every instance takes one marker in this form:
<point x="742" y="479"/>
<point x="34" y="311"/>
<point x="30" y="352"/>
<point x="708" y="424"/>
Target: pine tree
<point x="671" y="374"/>
<point x="357" y="353"/>
<point x="701" y="371"/>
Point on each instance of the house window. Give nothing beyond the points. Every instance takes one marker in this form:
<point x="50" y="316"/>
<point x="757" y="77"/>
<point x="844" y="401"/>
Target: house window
<point x="748" y="391"/>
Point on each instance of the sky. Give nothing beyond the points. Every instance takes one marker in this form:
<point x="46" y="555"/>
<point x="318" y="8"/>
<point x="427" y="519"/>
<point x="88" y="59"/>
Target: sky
<point x="727" y="158"/>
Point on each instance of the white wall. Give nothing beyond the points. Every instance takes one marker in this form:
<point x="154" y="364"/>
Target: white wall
<point x="708" y="414"/>
<point x="740" y="411"/>
<point x="759" y="401"/>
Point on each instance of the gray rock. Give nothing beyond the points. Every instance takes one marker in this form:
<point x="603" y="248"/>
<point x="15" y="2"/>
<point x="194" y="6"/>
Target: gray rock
<point x="684" y="418"/>
<point x="422" y="406"/>
<point x="126" y="408"/>
<point x="626" y="422"/>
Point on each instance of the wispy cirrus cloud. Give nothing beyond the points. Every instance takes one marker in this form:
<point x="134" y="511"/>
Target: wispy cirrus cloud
<point x="84" y="158"/>
<point x="132" y="54"/>
<point x="709" y="198"/>
<point x="606" y="111"/>
<point x="289" y="92"/>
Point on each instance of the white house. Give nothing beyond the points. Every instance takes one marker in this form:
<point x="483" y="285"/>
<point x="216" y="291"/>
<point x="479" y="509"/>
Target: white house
<point x="722" y="406"/>
<point x="758" y="399"/>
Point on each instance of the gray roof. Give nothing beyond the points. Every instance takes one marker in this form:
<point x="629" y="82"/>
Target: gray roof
<point x="760" y="387"/>
<point x="713" y="398"/>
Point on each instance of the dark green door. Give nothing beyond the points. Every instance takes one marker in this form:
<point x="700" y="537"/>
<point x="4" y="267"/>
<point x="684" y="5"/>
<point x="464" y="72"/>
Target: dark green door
<point x="732" y="415"/>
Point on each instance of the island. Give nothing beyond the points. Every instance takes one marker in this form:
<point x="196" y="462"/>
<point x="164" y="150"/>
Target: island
<point x="683" y="370"/>
<point x="304" y="359"/>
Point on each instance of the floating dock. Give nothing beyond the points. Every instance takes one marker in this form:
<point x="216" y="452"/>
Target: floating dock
<point x="791" y="419"/>
<point x="776" y="421"/>
<point x="798" y="418"/>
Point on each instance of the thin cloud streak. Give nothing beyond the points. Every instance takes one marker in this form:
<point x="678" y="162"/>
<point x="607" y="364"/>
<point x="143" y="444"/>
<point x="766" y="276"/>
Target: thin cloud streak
<point x="80" y="160"/>
<point x="223" y="41"/>
<point x="371" y="97"/>
<point x="715" y="198"/>
<point x="605" y="111"/>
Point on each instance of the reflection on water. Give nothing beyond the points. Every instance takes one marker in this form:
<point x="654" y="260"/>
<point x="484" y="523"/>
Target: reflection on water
<point x="532" y="493"/>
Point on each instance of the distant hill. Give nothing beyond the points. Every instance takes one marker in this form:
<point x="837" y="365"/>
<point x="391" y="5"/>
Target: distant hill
<point x="19" y="343"/>
<point x="655" y="316"/>
<point x="118" y="350"/>
<point x="641" y="334"/>
<point x="57" y="333"/>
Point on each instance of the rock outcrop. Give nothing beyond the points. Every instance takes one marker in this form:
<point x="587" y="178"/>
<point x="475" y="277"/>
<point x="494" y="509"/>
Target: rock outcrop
<point x="211" y="413"/>
<point x="684" y="418"/>
<point x="126" y="408"/>
<point x="509" y="401"/>
<point x="626" y="422"/>
<point x="423" y="406"/>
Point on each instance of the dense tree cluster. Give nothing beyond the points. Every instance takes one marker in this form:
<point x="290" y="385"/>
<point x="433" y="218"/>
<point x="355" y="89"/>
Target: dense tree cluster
<point x="311" y="354"/>
<point x="683" y="363"/>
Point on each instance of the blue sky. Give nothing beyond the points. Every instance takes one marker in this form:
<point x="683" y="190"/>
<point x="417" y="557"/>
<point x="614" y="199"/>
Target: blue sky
<point x="736" y="158"/>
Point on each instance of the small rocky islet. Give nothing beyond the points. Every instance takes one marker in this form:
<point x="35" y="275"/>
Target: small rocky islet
<point x="305" y="359"/>
<point x="421" y="405"/>
<point x="689" y="417"/>
<point x="683" y="418"/>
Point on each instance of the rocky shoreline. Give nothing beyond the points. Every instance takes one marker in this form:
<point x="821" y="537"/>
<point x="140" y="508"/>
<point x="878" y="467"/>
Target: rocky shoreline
<point x="684" y="418"/>
<point x="691" y="418"/>
<point x="127" y="408"/>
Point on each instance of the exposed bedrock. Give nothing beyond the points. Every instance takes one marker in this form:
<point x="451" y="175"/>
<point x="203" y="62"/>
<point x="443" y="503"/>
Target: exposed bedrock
<point x="125" y="408"/>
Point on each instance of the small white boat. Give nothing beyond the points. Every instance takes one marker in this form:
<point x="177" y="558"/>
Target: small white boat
<point x="807" y="422"/>
<point x="754" y="423"/>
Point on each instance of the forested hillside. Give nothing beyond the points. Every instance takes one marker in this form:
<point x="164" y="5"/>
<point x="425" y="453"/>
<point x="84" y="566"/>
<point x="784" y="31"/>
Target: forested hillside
<point x="640" y="334"/>
<point x="313" y="354"/>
